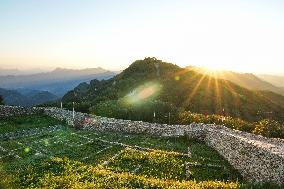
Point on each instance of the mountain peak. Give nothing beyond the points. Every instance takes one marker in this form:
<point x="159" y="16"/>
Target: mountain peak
<point x="149" y="67"/>
<point x="179" y="88"/>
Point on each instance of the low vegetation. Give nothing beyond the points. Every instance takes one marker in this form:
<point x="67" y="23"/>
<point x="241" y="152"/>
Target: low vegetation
<point x="70" y="158"/>
<point x="266" y="127"/>
<point x="63" y="173"/>
<point x="18" y="123"/>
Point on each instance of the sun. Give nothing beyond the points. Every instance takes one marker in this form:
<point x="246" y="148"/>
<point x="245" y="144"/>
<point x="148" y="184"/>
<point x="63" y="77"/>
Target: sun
<point x="208" y="70"/>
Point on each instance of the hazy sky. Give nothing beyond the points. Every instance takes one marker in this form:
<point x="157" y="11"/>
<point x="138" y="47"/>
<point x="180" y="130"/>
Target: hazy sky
<point x="244" y="35"/>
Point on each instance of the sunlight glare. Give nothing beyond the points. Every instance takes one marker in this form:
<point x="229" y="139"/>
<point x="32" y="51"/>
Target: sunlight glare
<point x="143" y="92"/>
<point x="27" y="149"/>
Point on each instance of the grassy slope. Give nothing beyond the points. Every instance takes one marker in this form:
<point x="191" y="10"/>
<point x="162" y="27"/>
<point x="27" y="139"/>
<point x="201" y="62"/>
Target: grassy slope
<point x="62" y="151"/>
<point x="19" y="123"/>
<point x="62" y="163"/>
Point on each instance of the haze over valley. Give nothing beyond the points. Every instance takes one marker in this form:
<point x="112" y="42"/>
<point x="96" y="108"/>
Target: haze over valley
<point x="52" y="84"/>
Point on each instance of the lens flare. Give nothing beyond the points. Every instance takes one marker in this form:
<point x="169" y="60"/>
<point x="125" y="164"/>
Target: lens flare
<point x="146" y="92"/>
<point x="27" y="149"/>
<point x="143" y="92"/>
<point x="45" y="142"/>
<point x="177" y="78"/>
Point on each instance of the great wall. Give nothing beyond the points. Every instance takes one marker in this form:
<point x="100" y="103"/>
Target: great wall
<point x="257" y="158"/>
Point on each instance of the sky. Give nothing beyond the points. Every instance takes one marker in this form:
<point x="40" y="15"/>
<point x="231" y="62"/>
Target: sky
<point x="245" y="36"/>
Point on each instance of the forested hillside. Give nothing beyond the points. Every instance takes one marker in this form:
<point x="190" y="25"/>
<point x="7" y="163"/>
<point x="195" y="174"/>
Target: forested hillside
<point x="151" y="85"/>
<point x="27" y="98"/>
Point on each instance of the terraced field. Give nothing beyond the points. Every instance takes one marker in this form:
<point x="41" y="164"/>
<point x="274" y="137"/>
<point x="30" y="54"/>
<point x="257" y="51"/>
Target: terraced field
<point x="41" y="152"/>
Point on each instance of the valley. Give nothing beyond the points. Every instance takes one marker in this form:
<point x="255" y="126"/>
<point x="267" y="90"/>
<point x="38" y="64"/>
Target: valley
<point x="34" y="89"/>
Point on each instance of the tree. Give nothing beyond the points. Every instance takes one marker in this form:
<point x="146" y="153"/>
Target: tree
<point x="1" y="100"/>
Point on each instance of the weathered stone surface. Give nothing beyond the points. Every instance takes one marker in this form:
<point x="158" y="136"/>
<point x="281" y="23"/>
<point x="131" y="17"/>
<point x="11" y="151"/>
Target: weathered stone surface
<point x="257" y="158"/>
<point x="6" y="111"/>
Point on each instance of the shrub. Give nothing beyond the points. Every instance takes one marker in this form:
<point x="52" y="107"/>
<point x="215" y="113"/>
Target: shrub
<point x="233" y="123"/>
<point x="266" y="127"/>
<point x="269" y="128"/>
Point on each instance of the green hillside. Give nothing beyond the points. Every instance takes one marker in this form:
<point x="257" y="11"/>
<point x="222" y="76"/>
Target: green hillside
<point x="151" y="85"/>
<point x="15" y="97"/>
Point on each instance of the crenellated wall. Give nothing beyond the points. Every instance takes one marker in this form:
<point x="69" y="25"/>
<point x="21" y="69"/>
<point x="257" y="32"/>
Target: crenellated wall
<point x="257" y="158"/>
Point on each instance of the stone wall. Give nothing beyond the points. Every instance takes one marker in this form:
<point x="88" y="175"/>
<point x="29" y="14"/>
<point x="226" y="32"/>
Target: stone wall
<point x="257" y="158"/>
<point x="127" y="126"/>
<point x="7" y="111"/>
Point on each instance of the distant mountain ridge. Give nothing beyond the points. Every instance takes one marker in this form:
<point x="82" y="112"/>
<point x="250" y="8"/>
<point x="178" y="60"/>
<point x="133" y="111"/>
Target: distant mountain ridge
<point x="58" y="81"/>
<point x="247" y="80"/>
<point x="273" y="79"/>
<point x="26" y="97"/>
<point x="5" y="72"/>
<point x="17" y="72"/>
